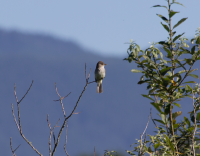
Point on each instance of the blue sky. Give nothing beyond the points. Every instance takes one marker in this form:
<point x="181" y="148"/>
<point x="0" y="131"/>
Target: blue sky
<point x="102" y="26"/>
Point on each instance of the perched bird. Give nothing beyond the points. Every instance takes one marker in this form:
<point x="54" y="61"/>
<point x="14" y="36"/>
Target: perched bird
<point x="100" y="73"/>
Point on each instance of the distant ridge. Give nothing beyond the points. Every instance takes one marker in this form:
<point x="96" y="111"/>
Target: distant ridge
<point x="17" y="43"/>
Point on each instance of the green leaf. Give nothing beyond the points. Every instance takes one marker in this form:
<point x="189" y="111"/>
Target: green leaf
<point x="172" y="13"/>
<point x="141" y="82"/>
<point x="194" y="56"/>
<point x="165" y="44"/>
<point x="176" y="104"/>
<point x="185" y="51"/>
<point x="142" y="78"/>
<point x="179" y="22"/>
<point x="187" y="121"/>
<point x="189" y="82"/>
<point x="195" y="76"/>
<point x="193" y="70"/>
<point x="178" y="3"/>
<point x="188" y="88"/>
<point x="169" y="142"/>
<point x="177" y="61"/>
<point x="176" y="114"/>
<point x="168" y="52"/>
<point x="193" y="49"/>
<point x="198" y="116"/>
<point x="167" y="109"/>
<point x="165" y="26"/>
<point x="159" y="121"/>
<point x="176" y="126"/>
<point x="150" y="150"/>
<point x="136" y="71"/>
<point x="190" y="129"/>
<point x="192" y="40"/>
<point x="129" y="152"/>
<point x="165" y="70"/>
<point x="177" y="37"/>
<point x="137" y="47"/>
<point x="198" y="40"/>
<point x="179" y="77"/>
<point x="147" y="97"/>
<point x="189" y="61"/>
<point x="163" y="18"/>
<point x="156" y="146"/>
<point x="156" y="105"/>
<point x="182" y="71"/>
<point x="165" y="81"/>
<point x="160" y="6"/>
<point x="173" y="33"/>
<point x="161" y="55"/>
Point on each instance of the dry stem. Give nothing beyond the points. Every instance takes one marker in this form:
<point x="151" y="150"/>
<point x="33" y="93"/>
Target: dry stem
<point x="66" y="118"/>
<point x="18" y="124"/>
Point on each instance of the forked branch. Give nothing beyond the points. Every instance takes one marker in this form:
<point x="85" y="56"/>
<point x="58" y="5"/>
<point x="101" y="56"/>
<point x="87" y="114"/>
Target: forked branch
<point x="13" y="151"/>
<point x="18" y="124"/>
<point x="66" y="118"/>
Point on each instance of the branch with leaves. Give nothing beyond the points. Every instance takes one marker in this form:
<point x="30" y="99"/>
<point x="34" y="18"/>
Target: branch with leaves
<point x="165" y="81"/>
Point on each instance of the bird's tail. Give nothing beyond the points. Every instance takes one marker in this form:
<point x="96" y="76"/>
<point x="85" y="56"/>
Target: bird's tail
<point x="99" y="87"/>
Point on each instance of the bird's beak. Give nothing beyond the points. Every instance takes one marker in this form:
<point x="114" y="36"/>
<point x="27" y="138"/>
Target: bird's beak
<point x="105" y="64"/>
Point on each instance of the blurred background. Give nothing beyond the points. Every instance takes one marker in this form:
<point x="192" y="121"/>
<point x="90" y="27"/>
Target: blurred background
<point x="48" y="42"/>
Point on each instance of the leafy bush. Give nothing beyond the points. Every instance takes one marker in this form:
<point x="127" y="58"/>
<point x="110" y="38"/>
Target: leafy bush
<point x="165" y="78"/>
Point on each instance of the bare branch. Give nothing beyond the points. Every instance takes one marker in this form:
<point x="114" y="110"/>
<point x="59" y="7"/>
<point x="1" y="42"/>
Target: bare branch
<point x="66" y="118"/>
<point x="92" y="82"/>
<point x="195" y="123"/>
<point x="62" y="97"/>
<point x="77" y="113"/>
<point x="15" y="117"/>
<point x="142" y="144"/>
<point x="146" y="127"/>
<point x="54" y="138"/>
<point x="13" y="151"/>
<point x="153" y="119"/>
<point x="86" y="73"/>
<point x="51" y="131"/>
<point x="19" y="121"/>
<point x="66" y="140"/>
<point x="24" y="94"/>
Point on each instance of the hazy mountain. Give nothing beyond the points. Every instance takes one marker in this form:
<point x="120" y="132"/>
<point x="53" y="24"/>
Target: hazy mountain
<point x="111" y="120"/>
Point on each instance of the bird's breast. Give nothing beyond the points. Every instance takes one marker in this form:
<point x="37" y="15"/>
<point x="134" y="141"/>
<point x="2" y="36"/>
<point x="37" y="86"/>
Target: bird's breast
<point x="99" y="74"/>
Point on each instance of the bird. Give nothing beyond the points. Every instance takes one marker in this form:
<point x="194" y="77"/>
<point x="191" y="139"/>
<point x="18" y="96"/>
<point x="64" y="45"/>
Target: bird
<point x="100" y="73"/>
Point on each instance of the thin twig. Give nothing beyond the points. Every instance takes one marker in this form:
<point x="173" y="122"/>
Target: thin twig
<point x="13" y="151"/>
<point x="142" y="144"/>
<point x="153" y="119"/>
<point x="15" y="117"/>
<point x="146" y="127"/>
<point x="86" y="73"/>
<point x="19" y="120"/>
<point x="92" y="82"/>
<point x="63" y="97"/>
<point x="51" y="131"/>
<point x="66" y="140"/>
<point x="54" y="138"/>
<point x="66" y="118"/>
<point x="195" y="123"/>
<point x="24" y="94"/>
